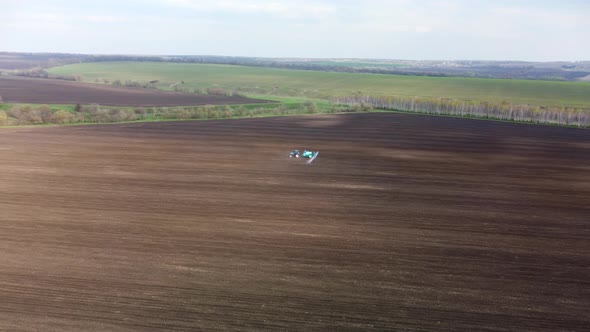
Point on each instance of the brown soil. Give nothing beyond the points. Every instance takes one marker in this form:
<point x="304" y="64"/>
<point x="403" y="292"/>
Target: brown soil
<point x="49" y="91"/>
<point x="403" y="223"/>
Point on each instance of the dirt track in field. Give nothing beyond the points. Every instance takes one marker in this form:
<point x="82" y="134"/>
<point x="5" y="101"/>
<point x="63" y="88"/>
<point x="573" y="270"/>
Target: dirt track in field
<point x="404" y="223"/>
<point x="50" y="91"/>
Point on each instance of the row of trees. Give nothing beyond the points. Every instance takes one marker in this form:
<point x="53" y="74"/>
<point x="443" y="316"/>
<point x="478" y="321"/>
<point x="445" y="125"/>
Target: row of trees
<point x="226" y="112"/>
<point x="176" y="86"/>
<point x="42" y="73"/>
<point x="130" y="83"/>
<point x="505" y="110"/>
<point x="27" y="115"/>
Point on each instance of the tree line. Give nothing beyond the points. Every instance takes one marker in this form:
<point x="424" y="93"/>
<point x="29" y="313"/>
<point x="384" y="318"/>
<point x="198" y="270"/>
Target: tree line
<point x="565" y="116"/>
<point x="42" y="73"/>
<point x="94" y="113"/>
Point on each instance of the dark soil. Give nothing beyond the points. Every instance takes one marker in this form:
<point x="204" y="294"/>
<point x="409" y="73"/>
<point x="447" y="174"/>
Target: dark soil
<point x="50" y="91"/>
<point x="403" y="223"/>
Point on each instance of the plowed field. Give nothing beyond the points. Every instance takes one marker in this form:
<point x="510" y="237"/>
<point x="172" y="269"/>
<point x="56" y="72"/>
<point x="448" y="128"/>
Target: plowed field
<point x="403" y="223"/>
<point x="49" y="91"/>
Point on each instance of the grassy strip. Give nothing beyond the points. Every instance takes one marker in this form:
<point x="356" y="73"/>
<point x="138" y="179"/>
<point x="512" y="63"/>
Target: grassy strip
<point x="29" y="114"/>
<point x="270" y="112"/>
<point x="265" y="115"/>
<point x="283" y="106"/>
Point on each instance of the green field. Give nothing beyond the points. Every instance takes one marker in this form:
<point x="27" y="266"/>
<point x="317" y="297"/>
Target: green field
<point x="271" y="81"/>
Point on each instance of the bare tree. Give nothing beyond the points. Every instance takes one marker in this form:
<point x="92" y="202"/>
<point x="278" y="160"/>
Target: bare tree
<point x="311" y="107"/>
<point x="3" y="118"/>
<point x="45" y="113"/>
<point x="62" y="117"/>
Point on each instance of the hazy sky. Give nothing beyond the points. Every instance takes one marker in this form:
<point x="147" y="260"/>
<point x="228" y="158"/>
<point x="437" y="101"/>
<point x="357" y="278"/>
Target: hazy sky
<point x="538" y="30"/>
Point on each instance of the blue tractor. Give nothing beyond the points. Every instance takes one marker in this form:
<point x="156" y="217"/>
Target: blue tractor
<point x="310" y="155"/>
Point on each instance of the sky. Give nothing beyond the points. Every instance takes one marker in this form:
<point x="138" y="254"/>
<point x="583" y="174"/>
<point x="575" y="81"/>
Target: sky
<point x="524" y="30"/>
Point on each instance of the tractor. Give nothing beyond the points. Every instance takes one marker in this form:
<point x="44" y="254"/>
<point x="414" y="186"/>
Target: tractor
<point x="310" y="155"/>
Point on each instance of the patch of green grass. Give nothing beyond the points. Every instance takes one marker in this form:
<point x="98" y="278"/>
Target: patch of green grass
<point x="322" y="85"/>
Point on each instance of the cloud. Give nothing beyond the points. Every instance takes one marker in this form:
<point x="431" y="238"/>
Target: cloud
<point x="285" y="9"/>
<point x="417" y="29"/>
<point x="560" y="17"/>
<point x="36" y="21"/>
<point x="101" y="18"/>
<point x="50" y="17"/>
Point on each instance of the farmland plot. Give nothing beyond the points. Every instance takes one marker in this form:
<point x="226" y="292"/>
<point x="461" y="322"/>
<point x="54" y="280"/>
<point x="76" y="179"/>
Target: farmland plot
<point x="404" y="222"/>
